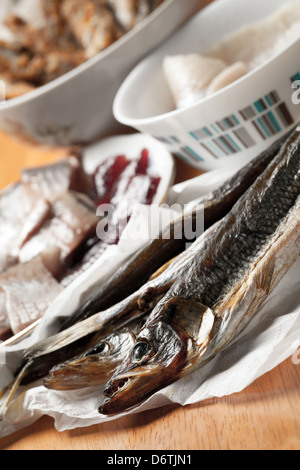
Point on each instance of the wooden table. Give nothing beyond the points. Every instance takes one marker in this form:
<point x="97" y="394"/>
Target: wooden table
<point x="264" y="416"/>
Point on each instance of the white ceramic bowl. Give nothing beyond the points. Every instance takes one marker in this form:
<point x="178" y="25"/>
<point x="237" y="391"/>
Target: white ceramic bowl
<point x="215" y="132"/>
<point x="77" y="107"/>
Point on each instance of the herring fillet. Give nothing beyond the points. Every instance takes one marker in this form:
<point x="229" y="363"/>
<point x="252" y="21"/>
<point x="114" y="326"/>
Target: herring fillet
<point x="215" y="299"/>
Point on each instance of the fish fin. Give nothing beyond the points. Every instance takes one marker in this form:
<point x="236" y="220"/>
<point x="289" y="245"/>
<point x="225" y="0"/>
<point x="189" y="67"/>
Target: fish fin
<point x="8" y="393"/>
<point x="192" y="318"/>
<point x="162" y="269"/>
<point x="265" y="274"/>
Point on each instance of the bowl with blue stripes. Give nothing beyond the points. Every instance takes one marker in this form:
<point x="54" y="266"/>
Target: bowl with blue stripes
<point x="236" y="123"/>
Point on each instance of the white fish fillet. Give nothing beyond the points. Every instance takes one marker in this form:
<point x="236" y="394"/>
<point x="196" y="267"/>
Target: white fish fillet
<point x="229" y="75"/>
<point x="72" y="221"/>
<point x="50" y="181"/>
<point x="261" y="41"/>
<point x="188" y="76"/>
<point x="193" y="77"/>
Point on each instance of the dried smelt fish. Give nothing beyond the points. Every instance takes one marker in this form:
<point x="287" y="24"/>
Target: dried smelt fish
<point x="223" y="288"/>
<point x="98" y="363"/>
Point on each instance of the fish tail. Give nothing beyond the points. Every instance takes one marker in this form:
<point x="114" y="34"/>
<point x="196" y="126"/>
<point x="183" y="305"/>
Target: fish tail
<point x="8" y="393"/>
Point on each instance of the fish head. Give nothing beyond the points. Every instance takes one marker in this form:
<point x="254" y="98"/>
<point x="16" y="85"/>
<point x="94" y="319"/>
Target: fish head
<point x="163" y="350"/>
<point x="157" y="355"/>
<point x="92" y="368"/>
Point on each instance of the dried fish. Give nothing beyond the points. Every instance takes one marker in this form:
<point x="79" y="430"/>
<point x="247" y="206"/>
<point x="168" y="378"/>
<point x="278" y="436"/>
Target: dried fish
<point x="97" y="364"/>
<point x="223" y="288"/>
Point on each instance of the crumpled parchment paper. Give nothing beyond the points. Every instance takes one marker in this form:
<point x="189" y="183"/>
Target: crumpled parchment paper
<point x="271" y="338"/>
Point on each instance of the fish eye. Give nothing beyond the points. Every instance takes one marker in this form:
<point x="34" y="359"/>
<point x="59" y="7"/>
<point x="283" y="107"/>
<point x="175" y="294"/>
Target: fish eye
<point x="100" y="348"/>
<point x="140" y="350"/>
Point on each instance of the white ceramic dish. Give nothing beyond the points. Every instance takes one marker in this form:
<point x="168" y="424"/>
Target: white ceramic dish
<point x="232" y="125"/>
<point x="131" y="146"/>
<point x="77" y="107"/>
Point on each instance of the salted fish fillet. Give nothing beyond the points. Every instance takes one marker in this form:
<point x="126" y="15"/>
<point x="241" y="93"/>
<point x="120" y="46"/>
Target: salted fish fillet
<point x="74" y="219"/>
<point x="36" y="249"/>
<point x="40" y="213"/>
<point x="25" y="206"/>
<point x="10" y="225"/>
<point x="51" y="181"/>
<point x="26" y="291"/>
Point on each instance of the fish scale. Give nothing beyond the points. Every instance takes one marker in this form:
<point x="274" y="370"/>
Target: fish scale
<point x="255" y="232"/>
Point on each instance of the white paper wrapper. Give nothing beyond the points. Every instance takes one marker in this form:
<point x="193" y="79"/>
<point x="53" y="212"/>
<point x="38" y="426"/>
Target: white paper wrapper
<point x="270" y="339"/>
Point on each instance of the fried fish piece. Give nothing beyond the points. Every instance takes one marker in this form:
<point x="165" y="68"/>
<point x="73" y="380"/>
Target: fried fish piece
<point x="12" y="89"/>
<point x="73" y="32"/>
<point x="38" y="56"/>
<point x="92" y="23"/>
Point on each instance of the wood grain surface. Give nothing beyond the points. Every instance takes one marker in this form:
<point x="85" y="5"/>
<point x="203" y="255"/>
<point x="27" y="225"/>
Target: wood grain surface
<point x="265" y="416"/>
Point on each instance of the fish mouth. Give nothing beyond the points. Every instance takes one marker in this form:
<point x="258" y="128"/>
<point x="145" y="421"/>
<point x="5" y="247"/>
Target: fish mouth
<point x="116" y="386"/>
<point x="128" y="391"/>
